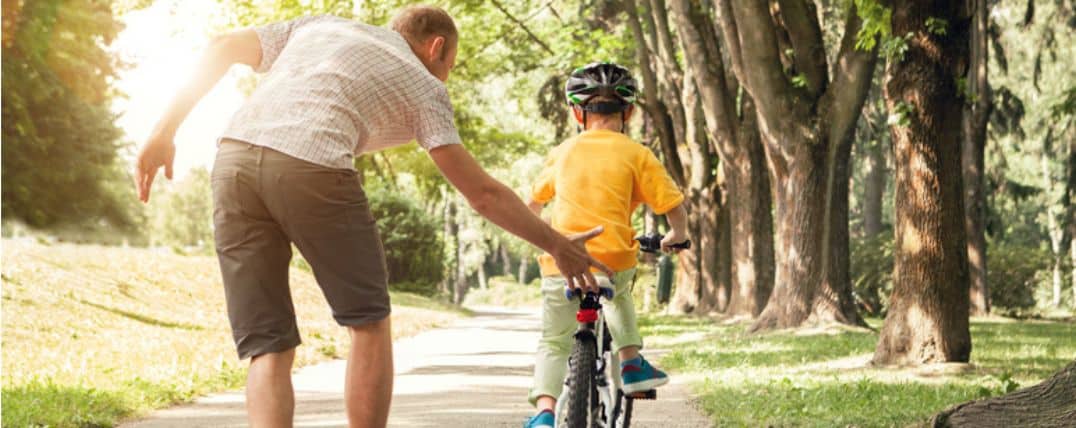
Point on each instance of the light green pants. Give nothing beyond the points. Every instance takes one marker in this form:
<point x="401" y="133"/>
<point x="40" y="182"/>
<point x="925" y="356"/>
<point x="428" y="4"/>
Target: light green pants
<point x="559" y="326"/>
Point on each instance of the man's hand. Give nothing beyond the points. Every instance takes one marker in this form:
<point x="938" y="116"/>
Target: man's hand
<point x="675" y="236"/>
<point x="574" y="262"/>
<point x="157" y="152"/>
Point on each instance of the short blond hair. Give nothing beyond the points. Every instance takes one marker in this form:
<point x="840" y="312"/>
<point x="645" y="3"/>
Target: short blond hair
<point x="420" y="22"/>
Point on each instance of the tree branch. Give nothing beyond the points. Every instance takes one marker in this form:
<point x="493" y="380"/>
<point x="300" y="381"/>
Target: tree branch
<point x="499" y="6"/>
<point x="843" y="100"/>
<point x="766" y="82"/>
<point x="801" y="21"/>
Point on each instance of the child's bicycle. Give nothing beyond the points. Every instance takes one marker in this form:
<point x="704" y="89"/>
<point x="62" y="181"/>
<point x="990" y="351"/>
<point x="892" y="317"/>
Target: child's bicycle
<point x="593" y="395"/>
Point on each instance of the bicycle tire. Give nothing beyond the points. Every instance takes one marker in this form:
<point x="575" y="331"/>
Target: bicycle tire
<point x="580" y="382"/>
<point x="625" y="417"/>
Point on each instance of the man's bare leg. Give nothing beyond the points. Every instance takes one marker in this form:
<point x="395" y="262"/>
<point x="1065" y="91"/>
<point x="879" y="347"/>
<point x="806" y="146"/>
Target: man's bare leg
<point x="368" y="390"/>
<point x="270" y="398"/>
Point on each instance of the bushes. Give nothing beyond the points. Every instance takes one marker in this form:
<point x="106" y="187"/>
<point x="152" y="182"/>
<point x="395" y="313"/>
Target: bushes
<point x="1016" y="275"/>
<point x="413" y="247"/>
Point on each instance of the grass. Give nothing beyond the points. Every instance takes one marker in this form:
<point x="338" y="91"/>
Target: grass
<point x="92" y="334"/>
<point x="505" y="291"/>
<point x="821" y="378"/>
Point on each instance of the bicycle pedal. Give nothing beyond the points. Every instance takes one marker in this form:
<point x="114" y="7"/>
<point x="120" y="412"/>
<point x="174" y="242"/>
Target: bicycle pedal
<point x="644" y="395"/>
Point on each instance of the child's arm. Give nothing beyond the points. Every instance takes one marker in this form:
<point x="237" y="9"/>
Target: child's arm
<point x="677" y="218"/>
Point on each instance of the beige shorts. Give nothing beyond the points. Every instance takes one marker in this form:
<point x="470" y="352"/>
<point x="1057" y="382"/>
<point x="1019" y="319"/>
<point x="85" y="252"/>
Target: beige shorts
<point x="263" y="202"/>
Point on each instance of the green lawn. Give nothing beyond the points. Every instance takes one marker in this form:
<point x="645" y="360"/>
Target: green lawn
<point x="821" y="378"/>
<point x="95" y="334"/>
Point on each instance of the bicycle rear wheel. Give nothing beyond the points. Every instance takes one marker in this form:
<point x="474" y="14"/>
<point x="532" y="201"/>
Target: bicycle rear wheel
<point x="580" y="382"/>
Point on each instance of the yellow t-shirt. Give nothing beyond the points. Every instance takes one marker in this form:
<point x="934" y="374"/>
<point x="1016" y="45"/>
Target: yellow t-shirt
<point x="598" y="178"/>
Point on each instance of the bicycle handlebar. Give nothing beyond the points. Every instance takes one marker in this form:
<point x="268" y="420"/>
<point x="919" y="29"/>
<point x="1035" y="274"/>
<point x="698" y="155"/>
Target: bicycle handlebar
<point x="652" y="243"/>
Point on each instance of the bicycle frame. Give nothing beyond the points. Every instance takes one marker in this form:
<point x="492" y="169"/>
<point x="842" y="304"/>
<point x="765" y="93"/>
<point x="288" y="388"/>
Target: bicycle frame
<point x="607" y="382"/>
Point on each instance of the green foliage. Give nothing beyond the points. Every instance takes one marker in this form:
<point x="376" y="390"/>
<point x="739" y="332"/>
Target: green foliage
<point x="60" y="163"/>
<point x="901" y="114"/>
<point x="876" y="23"/>
<point x="412" y="241"/>
<point x="937" y="26"/>
<point x="871" y="270"/>
<point x="1014" y="272"/>
<point x="182" y="214"/>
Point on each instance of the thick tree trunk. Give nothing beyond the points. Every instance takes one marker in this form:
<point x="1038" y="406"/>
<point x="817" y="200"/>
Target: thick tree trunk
<point x="1053" y="227"/>
<point x="928" y="315"/>
<point x="752" y="258"/>
<point x="700" y="280"/>
<point x="1051" y="403"/>
<point x="976" y="115"/>
<point x="735" y="139"/>
<point x="874" y="188"/>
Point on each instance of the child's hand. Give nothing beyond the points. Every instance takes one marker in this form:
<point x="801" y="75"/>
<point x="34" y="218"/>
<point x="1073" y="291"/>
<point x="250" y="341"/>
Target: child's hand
<point x="672" y="238"/>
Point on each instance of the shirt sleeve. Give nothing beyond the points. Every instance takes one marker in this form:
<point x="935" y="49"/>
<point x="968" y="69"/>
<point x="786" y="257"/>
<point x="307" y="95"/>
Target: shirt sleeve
<point x="274" y="37"/>
<point x="655" y="187"/>
<point x="545" y="187"/>
<point x="435" y="124"/>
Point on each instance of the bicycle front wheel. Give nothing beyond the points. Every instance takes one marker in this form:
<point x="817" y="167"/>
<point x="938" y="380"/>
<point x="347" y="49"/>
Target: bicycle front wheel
<point x="580" y="382"/>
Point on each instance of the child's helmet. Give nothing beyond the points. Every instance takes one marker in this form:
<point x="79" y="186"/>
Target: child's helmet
<point x="605" y="79"/>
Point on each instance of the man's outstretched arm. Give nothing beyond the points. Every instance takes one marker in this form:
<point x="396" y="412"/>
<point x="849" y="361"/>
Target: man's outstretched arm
<point x="498" y="203"/>
<point x="240" y="47"/>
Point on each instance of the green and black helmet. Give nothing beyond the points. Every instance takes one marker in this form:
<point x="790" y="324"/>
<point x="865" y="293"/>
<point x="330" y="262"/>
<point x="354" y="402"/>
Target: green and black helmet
<point x="601" y="79"/>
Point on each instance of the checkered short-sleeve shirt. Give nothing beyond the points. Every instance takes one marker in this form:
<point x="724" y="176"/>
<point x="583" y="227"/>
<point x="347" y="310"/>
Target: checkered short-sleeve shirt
<point x="337" y="88"/>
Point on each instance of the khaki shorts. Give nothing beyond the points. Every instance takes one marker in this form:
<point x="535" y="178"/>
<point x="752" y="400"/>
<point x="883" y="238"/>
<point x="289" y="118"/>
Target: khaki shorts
<point x="263" y="202"/>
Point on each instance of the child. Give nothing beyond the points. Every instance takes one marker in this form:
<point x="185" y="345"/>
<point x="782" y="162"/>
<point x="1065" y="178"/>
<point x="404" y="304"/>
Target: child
<point x="597" y="178"/>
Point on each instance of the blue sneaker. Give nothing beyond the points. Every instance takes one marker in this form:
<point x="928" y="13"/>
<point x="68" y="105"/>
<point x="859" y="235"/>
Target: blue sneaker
<point x="544" y="419"/>
<point x="638" y="375"/>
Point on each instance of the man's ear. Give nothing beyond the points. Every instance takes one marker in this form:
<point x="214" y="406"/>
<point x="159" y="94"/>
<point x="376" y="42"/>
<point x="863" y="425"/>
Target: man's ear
<point x="578" y="113"/>
<point x="436" y="48"/>
<point x="629" y="112"/>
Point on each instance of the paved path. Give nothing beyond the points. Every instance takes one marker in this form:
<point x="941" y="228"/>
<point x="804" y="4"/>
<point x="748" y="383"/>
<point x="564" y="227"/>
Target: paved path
<point x="475" y="373"/>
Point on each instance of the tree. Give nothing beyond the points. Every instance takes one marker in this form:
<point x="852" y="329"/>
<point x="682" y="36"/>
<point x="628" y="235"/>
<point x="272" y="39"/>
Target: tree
<point x="928" y="313"/>
<point x="735" y="138"/>
<point x="806" y="121"/>
<point x="976" y="116"/>
<point x="674" y="114"/>
<point x="60" y="162"/>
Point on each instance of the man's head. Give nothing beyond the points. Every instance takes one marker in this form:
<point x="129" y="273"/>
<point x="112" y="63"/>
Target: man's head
<point x="432" y="35"/>
<point x="601" y="94"/>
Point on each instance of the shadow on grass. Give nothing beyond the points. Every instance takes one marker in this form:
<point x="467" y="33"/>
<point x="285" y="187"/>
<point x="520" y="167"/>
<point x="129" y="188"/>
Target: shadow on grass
<point x="863" y="403"/>
<point x="142" y="318"/>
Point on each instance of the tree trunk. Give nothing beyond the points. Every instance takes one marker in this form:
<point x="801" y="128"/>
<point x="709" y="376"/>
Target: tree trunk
<point x="752" y="250"/>
<point x="976" y="115"/>
<point x="928" y="315"/>
<point x="1051" y="403"/>
<point x="482" y="281"/>
<point x="450" y="236"/>
<point x="523" y="266"/>
<point x="874" y="188"/>
<point x="735" y="139"/>
<point x="1053" y="228"/>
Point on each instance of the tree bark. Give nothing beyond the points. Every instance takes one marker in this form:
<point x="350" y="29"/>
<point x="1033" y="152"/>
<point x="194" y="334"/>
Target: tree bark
<point x="523" y="266"/>
<point x="976" y="114"/>
<point x="736" y="141"/>
<point x="928" y="315"/>
<point x="874" y="189"/>
<point x="1051" y="403"/>
<point x="806" y="130"/>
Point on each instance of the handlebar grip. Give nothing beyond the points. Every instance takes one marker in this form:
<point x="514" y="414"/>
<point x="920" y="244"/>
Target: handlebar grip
<point x="570" y="293"/>
<point x="683" y="245"/>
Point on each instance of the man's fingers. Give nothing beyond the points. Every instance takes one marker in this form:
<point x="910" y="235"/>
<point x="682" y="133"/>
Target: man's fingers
<point x="602" y="267"/>
<point x="148" y="183"/>
<point x="168" y="169"/>
<point x="592" y="281"/>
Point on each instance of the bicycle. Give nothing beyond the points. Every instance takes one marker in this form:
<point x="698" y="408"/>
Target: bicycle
<point x="589" y="398"/>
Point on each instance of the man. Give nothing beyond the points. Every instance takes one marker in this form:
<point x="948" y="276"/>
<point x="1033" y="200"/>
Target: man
<point x="334" y="89"/>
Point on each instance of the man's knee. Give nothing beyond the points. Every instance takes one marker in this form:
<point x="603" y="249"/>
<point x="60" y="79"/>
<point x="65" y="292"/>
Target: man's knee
<point x="381" y="326"/>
